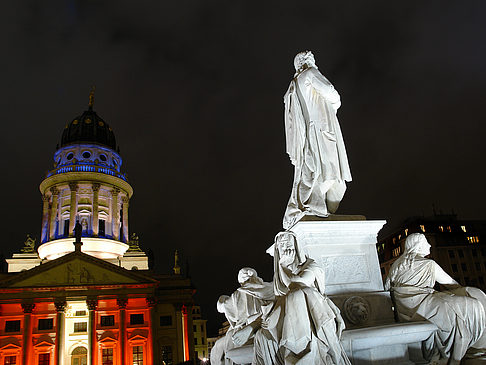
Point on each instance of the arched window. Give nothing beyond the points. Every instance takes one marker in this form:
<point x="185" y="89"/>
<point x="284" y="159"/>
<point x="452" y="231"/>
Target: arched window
<point x="79" y="356"/>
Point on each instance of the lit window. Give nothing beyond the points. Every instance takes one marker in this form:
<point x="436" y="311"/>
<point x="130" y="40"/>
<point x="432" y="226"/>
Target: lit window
<point x="107" y="357"/>
<point x="473" y="239"/>
<point x="441" y="228"/>
<point x="80" y="313"/>
<point x="44" y="359"/>
<point x="449" y="229"/>
<point x="136" y="319"/>
<point x="396" y="251"/>
<point x="406" y="231"/>
<point x="422" y="228"/>
<point x="137" y="355"/>
<point x="81" y="327"/>
<point x="107" y="321"/>
<point x="463" y="228"/>
<point x="12" y="326"/>
<point x="394" y="240"/>
<point x="399" y="236"/>
<point x="10" y="360"/>
<point x="45" y="324"/>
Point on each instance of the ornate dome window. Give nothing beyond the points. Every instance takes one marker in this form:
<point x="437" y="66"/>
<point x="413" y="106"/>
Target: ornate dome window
<point x="70" y="156"/>
<point x="103" y="158"/>
<point x="86" y="154"/>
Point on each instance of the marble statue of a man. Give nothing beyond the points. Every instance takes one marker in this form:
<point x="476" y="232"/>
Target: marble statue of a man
<point x="314" y="143"/>
<point x="459" y="313"/>
<point x="243" y="310"/>
<point x="309" y="325"/>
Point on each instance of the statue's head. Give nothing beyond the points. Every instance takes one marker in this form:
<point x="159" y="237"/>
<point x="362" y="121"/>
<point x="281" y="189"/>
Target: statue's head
<point x="286" y="245"/>
<point x="416" y="244"/>
<point x="304" y="60"/>
<point x="247" y="274"/>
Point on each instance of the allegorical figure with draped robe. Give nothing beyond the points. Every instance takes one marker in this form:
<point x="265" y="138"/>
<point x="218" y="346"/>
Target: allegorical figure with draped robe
<point x="459" y="313"/>
<point x="314" y="143"/>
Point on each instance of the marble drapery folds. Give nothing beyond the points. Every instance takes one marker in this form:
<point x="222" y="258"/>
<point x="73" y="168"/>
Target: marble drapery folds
<point x="314" y="143"/>
<point x="459" y="313"/>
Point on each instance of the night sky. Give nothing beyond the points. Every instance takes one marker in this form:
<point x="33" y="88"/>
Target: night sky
<point x="193" y="91"/>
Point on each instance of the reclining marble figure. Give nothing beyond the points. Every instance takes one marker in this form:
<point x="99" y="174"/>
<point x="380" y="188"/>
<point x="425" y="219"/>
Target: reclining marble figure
<point x="459" y="313"/>
<point x="243" y="310"/>
<point x="314" y="143"/>
<point x="305" y="324"/>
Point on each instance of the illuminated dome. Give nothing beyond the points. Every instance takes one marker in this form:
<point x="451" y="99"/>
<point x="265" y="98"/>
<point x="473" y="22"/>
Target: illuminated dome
<point x="88" y="128"/>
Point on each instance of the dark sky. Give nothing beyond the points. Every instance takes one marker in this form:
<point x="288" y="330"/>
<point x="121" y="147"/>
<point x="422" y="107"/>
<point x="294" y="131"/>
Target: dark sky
<point x="193" y="91"/>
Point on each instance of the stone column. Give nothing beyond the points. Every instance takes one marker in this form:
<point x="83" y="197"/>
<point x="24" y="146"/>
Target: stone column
<point x="73" y="207"/>
<point x="45" y="218"/>
<point x="92" y="304"/>
<point x="122" y="305"/>
<point x="152" y="347"/>
<point x="96" y="190"/>
<point x="27" y="337"/>
<point x="125" y="219"/>
<point x="54" y="206"/>
<point x="60" y="307"/>
<point x="115" y="214"/>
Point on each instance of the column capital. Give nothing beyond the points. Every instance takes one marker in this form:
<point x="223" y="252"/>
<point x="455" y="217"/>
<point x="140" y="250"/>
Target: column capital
<point x="122" y="302"/>
<point x="28" y="307"/>
<point x="60" y="305"/>
<point x="115" y="191"/>
<point x="92" y="303"/>
<point x="45" y="198"/>
<point x="54" y="190"/>
<point x="73" y="186"/>
<point x="95" y="187"/>
<point x="125" y="199"/>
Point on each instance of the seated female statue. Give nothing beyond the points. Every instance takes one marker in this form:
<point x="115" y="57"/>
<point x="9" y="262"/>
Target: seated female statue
<point x="459" y="313"/>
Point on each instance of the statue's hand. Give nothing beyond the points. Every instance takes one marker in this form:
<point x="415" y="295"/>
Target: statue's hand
<point x="242" y="336"/>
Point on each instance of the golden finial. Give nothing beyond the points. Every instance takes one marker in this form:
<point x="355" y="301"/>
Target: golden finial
<point x="177" y="268"/>
<point x="91" y="97"/>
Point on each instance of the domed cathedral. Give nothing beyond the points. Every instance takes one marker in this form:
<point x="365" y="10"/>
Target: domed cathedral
<point x="86" y="295"/>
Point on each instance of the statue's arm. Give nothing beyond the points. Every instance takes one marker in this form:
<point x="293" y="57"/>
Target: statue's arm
<point x="444" y="278"/>
<point x="326" y="89"/>
<point x="305" y="278"/>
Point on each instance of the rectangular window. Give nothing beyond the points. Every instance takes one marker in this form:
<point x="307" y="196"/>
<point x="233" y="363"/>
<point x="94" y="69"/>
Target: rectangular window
<point x="463" y="228"/>
<point x="473" y="239"/>
<point x="194" y="328"/>
<point x="66" y="227"/>
<point x="12" y="326"/>
<point x="202" y="328"/>
<point x="107" y="321"/>
<point x="167" y="354"/>
<point x="406" y="231"/>
<point x="449" y="229"/>
<point x="44" y="359"/>
<point x="107" y="356"/>
<point x="80" y="313"/>
<point x="464" y="267"/>
<point x="454" y="268"/>
<point x="81" y="327"/>
<point x="481" y="280"/>
<point x="441" y="228"/>
<point x="101" y="227"/>
<point x="137" y="352"/>
<point x="10" y="360"/>
<point x="195" y="340"/>
<point x="422" y="228"/>
<point x="45" y="324"/>
<point x="202" y="341"/>
<point x="136" y="319"/>
<point x="461" y="254"/>
<point x="451" y="254"/>
<point x="166" y="320"/>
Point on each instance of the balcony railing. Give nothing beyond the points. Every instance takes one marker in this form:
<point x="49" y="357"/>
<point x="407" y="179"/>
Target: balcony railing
<point x="86" y="168"/>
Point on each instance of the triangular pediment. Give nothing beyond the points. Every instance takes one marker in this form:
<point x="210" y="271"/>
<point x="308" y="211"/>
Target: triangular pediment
<point x="75" y="269"/>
